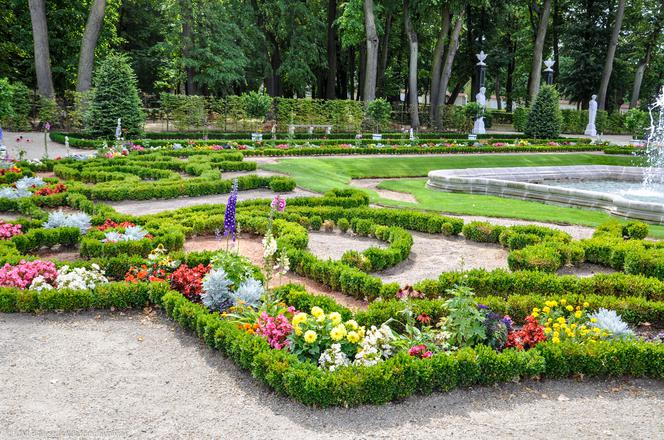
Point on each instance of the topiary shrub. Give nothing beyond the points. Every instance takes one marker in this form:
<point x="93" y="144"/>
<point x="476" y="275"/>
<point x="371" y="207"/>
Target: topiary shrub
<point x="114" y="96"/>
<point x="520" y="118"/>
<point x="482" y="232"/>
<point x="257" y="105"/>
<point x="545" y="119"/>
<point x="316" y="222"/>
<point x="378" y="113"/>
<point x="636" y="121"/>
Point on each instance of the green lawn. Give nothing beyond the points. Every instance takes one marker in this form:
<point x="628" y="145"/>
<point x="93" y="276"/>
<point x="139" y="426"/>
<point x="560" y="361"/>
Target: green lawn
<point x="322" y="174"/>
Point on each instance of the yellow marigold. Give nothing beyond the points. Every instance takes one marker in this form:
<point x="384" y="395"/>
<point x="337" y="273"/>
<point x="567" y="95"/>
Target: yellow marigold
<point x="546" y="309"/>
<point x="298" y="330"/>
<point x="299" y="318"/>
<point x="353" y="337"/>
<point x="569" y="308"/>
<point x="335" y="317"/>
<point x="352" y="324"/>
<point x="561" y="320"/>
<point x="563" y="301"/>
<point x="554" y="303"/>
<point x="535" y="310"/>
<point x="310" y="336"/>
<point x="578" y="314"/>
<point x="321" y="318"/>
<point x="338" y="333"/>
<point x="596" y="330"/>
<point x="605" y="334"/>
<point x="586" y="304"/>
<point x="534" y="314"/>
<point x="547" y="330"/>
<point x="549" y="303"/>
<point x="556" y="340"/>
<point x="317" y="311"/>
<point x="593" y="319"/>
<point x="573" y="326"/>
<point x="556" y="334"/>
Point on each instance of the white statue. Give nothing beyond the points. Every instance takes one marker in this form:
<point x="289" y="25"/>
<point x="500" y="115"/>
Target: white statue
<point x="478" y="128"/>
<point x="592" y="114"/>
<point x="118" y="129"/>
<point x="411" y="135"/>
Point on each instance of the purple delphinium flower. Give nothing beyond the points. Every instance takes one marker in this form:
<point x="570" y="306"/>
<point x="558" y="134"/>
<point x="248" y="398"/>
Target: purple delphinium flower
<point x="47" y="126"/>
<point x="507" y="320"/>
<point x="482" y="307"/>
<point x="229" y="217"/>
<point x="278" y="203"/>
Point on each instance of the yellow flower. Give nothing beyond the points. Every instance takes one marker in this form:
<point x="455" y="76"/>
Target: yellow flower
<point x="561" y="320"/>
<point x="352" y="324"/>
<point x="554" y="303"/>
<point x="299" y="319"/>
<point x="549" y="303"/>
<point x="317" y="311"/>
<point x="547" y="330"/>
<point x="535" y="310"/>
<point x="563" y="301"/>
<point x="569" y="308"/>
<point x="546" y="309"/>
<point x="335" y="317"/>
<point x="593" y="319"/>
<point x="310" y="336"/>
<point x="321" y="318"/>
<point x="534" y="314"/>
<point x="556" y="340"/>
<point x="549" y="320"/>
<point x="573" y="326"/>
<point x="353" y="337"/>
<point x="596" y="330"/>
<point x="586" y="304"/>
<point x="298" y="330"/>
<point x="578" y="314"/>
<point x="556" y="334"/>
<point x="605" y="334"/>
<point x="338" y="333"/>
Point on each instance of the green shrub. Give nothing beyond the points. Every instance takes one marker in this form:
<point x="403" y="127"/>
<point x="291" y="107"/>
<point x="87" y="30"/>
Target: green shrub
<point x="520" y="118"/>
<point x="544" y="119"/>
<point x="378" y="113"/>
<point x="482" y="232"/>
<point x="636" y="122"/>
<point x="316" y="222"/>
<point x="343" y="224"/>
<point x="256" y="104"/>
<point x="537" y="257"/>
<point x="648" y="262"/>
<point x="114" y="96"/>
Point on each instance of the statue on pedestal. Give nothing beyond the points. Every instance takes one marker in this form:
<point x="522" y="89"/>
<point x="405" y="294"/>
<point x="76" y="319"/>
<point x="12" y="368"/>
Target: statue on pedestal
<point x="478" y="128"/>
<point x="592" y="114"/>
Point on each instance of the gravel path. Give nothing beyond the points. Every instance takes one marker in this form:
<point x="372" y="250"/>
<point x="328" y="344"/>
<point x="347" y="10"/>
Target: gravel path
<point x="143" y="207"/>
<point x="33" y="144"/>
<point x="138" y="376"/>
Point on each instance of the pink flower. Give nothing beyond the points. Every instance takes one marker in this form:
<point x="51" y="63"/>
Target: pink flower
<point x="21" y="275"/>
<point x="420" y="351"/>
<point x="8" y="230"/>
<point x="278" y="203"/>
<point x="274" y="330"/>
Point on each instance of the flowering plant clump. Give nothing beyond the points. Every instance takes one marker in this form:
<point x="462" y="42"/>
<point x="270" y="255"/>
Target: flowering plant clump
<point x="531" y="334"/>
<point x="162" y="266"/>
<point x="50" y="190"/>
<point x="110" y="224"/>
<point x="29" y="182"/>
<point x="563" y="321"/>
<point x="189" y="280"/>
<point x="409" y="291"/>
<point x="8" y="230"/>
<point x="314" y="333"/>
<point x="420" y="351"/>
<point x="497" y="328"/>
<point x="229" y="216"/>
<point x="278" y="204"/>
<point x="78" y="278"/>
<point x="275" y="329"/>
<point x="11" y="169"/>
<point x="22" y="275"/>
<point x="376" y="346"/>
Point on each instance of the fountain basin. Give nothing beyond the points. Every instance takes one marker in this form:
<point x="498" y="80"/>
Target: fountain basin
<point x="541" y="184"/>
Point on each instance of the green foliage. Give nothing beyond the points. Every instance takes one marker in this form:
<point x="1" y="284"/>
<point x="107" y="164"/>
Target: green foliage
<point x="544" y="119"/>
<point x="482" y="232"/>
<point x="257" y="105"/>
<point x="187" y="111"/>
<point x="49" y="111"/>
<point x="6" y="99"/>
<point x="464" y="320"/>
<point x="115" y="96"/>
<point x="378" y="113"/>
<point x="520" y="118"/>
<point x="636" y="122"/>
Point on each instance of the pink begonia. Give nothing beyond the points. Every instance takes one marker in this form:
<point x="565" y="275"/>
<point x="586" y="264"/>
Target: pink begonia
<point x="275" y="330"/>
<point x="8" y="230"/>
<point x="21" y="275"/>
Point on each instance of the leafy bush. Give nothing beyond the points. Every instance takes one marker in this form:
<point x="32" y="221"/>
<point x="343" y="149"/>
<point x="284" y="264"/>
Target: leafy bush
<point x="343" y="224"/>
<point x="636" y="122"/>
<point x="315" y="222"/>
<point x="520" y="118"/>
<point x="378" y="112"/>
<point x="256" y="104"/>
<point x="482" y="232"/>
<point x="544" y="119"/>
<point x="114" y="96"/>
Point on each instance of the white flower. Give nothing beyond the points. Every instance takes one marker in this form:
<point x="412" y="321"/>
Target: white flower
<point x="333" y="358"/>
<point x="269" y="246"/>
<point x="376" y="346"/>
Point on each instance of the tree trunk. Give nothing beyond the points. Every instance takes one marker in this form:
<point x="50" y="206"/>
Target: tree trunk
<point x="556" y="39"/>
<point x="412" y="67"/>
<point x="455" y="92"/>
<point x="437" y="60"/>
<point x="610" y="54"/>
<point x="446" y="72"/>
<point x="643" y="64"/>
<point x="371" y="66"/>
<point x="384" y="51"/>
<point x="351" y="72"/>
<point x="509" y="82"/>
<point x="42" y="53"/>
<point x="536" y="71"/>
<point x="330" y="88"/>
<point x="499" y="104"/>
<point x="188" y="43"/>
<point x="86" y="60"/>
<point x="361" y="74"/>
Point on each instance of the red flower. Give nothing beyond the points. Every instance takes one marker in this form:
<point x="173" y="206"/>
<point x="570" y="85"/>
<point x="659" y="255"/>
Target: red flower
<point x="531" y="334"/>
<point x="424" y="318"/>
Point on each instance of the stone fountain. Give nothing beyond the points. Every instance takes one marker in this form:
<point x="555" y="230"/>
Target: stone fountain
<point x="654" y="174"/>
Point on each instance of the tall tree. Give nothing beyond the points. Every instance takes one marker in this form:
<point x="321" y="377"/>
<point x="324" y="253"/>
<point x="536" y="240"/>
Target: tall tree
<point x="610" y="54"/>
<point x="412" y="66"/>
<point x="330" y="87"/>
<point x="371" y="64"/>
<point x="650" y="46"/>
<point x="437" y="58"/>
<point x="538" y="49"/>
<point x="187" y="14"/>
<point x="41" y="49"/>
<point x="88" y="44"/>
<point x="446" y="71"/>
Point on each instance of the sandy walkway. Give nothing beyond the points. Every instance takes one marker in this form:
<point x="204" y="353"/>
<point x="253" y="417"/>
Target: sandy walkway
<point x="143" y="207"/>
<point x="135" y="376"/>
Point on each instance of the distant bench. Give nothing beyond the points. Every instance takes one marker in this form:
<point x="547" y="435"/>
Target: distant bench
<point x="309" y="127"/>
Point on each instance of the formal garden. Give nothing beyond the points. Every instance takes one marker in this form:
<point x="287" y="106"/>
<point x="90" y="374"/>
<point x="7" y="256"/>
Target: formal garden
<point x="343" y="219"/>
